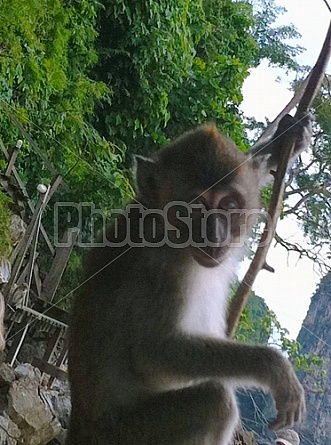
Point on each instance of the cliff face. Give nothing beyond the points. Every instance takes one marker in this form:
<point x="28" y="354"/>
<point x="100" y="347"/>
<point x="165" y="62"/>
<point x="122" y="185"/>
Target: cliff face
<point x="315" y="337"/>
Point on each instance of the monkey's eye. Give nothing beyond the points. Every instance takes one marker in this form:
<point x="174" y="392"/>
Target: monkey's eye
<point x="230" y="203"/>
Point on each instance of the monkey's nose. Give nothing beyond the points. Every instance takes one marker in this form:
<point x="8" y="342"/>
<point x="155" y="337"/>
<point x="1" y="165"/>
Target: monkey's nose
<point x="216" y="230"/>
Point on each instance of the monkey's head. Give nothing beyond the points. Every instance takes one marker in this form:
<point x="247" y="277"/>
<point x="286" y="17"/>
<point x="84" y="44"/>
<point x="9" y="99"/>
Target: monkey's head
<point x="208" y="189"/>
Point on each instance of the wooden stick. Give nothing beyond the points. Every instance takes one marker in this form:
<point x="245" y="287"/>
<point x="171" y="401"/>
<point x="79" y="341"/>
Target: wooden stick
<point x="240" y="299"/>
<point x="272" y="127"/>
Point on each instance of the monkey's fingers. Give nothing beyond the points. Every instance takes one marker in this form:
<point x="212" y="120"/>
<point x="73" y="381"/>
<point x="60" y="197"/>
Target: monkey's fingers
<point x="287" y="417"/>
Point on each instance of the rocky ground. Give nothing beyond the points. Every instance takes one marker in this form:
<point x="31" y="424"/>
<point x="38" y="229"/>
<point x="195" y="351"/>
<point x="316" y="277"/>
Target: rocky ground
<point x="31" y="414"/>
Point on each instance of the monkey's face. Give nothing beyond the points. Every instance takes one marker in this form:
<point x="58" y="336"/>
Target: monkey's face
<point x="223" y="226"/>
<point x="207" y="189"/>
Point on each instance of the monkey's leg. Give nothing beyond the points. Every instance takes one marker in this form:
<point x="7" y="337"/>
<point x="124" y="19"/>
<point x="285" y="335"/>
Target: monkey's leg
<point x="198" y="415"/>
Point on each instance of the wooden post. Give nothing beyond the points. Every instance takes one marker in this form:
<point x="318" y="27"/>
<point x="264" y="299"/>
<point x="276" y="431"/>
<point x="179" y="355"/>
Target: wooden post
<point x="54" y="186"/>
<point x="60" y="360"/>
<point x="50" y="370"/>
<point x="37" y="279"/>
<point x="18" y="339"/>
<point x="26" y="240"/>
<point x="35" y="146"/>
<point x="52" y="344"/>
<point x="13" y="157"/>
<point x="59" y="264"/>
<point x="25" y="193"/>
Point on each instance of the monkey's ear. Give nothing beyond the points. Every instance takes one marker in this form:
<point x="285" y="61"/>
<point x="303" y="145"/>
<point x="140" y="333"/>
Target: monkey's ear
<point x="146" y="176"/>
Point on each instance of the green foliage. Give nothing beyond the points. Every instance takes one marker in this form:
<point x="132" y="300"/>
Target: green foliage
<point x="212" y="91"/>
<point x="312" y="365"/>
<point x="256" y="322"/>
<point x="47" y="49"/>
<point x="70" y="281"/>
<point x="171" y="65"/>
<point x="93" y="82"/>
<point x="311" y="189"/>
<point x="273" y="40"/>
<point x="145" y="49"/>
<point x="5" y="233"/>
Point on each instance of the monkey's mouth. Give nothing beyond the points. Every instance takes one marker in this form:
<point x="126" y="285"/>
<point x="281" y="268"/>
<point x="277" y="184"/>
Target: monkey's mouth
<point x="209" y="256"/>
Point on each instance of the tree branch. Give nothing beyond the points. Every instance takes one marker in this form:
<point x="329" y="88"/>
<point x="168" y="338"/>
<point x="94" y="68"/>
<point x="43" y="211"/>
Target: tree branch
<point x="239" y="301"/>
<point x="303" y="199"/>
<point x="272" y="127"/>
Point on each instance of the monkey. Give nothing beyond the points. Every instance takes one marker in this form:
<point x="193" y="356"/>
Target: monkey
<point x="149" y="361"/>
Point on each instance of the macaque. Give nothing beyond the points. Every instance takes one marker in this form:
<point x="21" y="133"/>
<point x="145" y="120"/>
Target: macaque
<point x="149" y="361"/>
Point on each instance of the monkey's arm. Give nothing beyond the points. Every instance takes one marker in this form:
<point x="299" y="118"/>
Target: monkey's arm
<point x="241" y="364"/>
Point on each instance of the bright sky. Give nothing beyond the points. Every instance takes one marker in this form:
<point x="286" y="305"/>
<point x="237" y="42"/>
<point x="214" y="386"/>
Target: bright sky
<point x="288" y="291"/>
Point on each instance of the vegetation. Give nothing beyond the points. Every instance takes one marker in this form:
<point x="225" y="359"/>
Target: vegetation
<point x="93" y="82"/>
<point x="46" y="52"/>
<point x="5" y="234"/>
<point x="311" y="192"/>
<point x="273" y="41"/>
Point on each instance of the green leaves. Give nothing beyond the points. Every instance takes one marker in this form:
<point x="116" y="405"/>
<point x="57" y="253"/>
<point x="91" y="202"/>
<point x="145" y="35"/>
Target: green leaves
<point x="171" y="65"/>
<point x="49" y="49"/>
<point x="273" y="40"/>
<point x="5" y="233"/>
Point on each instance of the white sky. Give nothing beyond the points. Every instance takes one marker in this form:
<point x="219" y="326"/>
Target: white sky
<point x="288" y="291"/>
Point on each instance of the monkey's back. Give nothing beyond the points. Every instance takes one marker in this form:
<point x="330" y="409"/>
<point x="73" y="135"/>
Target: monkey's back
<point x="116" y="303"/>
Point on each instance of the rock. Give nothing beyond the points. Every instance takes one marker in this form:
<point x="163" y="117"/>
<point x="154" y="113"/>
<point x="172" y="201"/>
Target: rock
<point x="26" y="370"/>
<point x="60" y="439"/>
<point x="5" y="269"/>
<point x="59" y="401"/>
<point x="9" y="432"/>
<point x="32" y="348"/>
<point x="17" y="228"/>
<point x="7" y="376"/>
<point x="244" y="438"/>
<point x="34" y="419"/>
<point x="315" y="337"/>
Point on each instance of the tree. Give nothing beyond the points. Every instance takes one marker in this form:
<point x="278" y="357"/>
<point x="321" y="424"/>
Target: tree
<point x="47" y="49"/>
<point x="272" y="40"/>
<point x="170" y="65"/>
<point x="311" y="190"/>
<point x="308" y="188"/>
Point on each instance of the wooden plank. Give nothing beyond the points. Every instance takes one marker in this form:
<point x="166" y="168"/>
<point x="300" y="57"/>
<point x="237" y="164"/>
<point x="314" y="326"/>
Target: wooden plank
<point x="49" y="369"/>
<point x="60" y="360"/>
<point x="23" y="276"/>
<point x="33" y="250"/>
<point x="24" y="244"/>
<point x="52" y="344"/>
<point x="43" y="317"/>
<point x="59" y="264"/>
<point x="13" y="157"/>
<point x="54" y="186"/>
<point x="37" y="279"/>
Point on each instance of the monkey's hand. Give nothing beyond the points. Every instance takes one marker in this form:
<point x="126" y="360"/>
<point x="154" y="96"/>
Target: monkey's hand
<point x="287" y="392"/>
<point x="266" y="154"/>
<point x="299" y="129"/>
